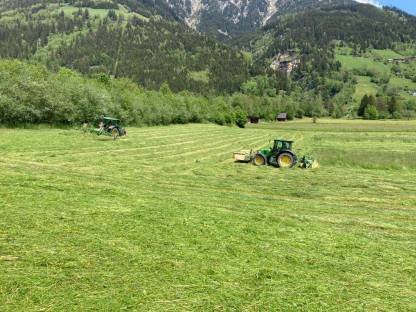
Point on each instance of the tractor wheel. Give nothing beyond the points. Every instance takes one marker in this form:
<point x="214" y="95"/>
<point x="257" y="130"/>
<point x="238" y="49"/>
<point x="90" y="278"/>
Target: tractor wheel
<point x="286" y="160"/>
<point x="259" y="160"/>
<point x="115" y="133"/>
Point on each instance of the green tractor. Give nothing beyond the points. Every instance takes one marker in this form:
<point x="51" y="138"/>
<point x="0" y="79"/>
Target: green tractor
<point x="279" y="155"/>
<point x="108" y="126"/>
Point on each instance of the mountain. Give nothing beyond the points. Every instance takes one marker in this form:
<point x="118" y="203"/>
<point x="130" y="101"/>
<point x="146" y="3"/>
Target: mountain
<point x="342" y="52"/>
<point x="124" y="38"/>
<point x="360" y="26"/>
<point x="228" y="19"/>
<point x="298" y="49"/>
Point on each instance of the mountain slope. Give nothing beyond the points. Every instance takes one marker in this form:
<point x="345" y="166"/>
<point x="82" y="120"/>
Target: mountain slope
<point x="144" y="7"/>
<point x="307" y="46"/>
<point x="363" y="26"/>
<point x="230" y="19"/>
<point x="114" y="39"/>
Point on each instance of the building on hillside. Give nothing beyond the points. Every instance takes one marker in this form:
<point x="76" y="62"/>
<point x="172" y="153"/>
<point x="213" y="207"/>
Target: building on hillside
<point x="281" y="117"/>
<point x="285" y="62"/>
<point x="401" y="60"/>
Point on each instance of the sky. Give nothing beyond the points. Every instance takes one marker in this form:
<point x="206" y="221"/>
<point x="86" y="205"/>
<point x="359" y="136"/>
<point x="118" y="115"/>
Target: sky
<point x="406" y="5"/>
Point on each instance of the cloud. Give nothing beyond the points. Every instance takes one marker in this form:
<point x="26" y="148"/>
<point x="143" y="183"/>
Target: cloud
<point x="372" y="2"/>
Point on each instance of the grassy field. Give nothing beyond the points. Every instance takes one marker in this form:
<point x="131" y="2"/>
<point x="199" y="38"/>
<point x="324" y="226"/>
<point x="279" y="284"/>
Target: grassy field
<point x="364" y="87"/>
<point x="375" y="60"/>
<point x="350" y="62"/>
<point x="163" y="220"/>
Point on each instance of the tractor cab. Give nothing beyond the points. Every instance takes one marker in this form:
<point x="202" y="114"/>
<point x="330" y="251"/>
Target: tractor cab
<point x="107" y="126"/>
<point x="282" y="145"/>
<point x="110" y="122"/>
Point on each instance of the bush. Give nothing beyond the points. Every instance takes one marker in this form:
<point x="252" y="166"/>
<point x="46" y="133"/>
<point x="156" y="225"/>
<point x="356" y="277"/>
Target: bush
<point x="371" y="112"/>
<point x="299" y="113"/>
<point x="240" y="118"/>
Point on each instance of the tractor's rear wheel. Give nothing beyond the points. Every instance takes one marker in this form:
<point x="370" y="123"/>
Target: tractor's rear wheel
<point x="286" y="160"/>
<point x="259" y="160"/>
<point x="115" y="133"/>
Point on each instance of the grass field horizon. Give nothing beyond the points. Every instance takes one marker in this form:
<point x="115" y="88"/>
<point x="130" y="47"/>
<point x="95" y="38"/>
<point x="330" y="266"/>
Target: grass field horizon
<point x="164" y="220"/>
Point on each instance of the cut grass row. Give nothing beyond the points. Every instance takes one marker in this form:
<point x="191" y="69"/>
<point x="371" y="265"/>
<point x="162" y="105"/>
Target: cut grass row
<point x="162" y="220"/>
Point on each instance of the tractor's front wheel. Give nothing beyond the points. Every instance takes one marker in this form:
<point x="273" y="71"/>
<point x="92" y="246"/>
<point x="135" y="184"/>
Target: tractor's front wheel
<point x="259" y="160"/>
<point x="286" y="160"/>
<point x="115" y="133"/>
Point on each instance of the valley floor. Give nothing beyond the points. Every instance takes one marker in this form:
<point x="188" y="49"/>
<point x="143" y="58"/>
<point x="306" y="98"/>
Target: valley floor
<point x="163" y="220"/>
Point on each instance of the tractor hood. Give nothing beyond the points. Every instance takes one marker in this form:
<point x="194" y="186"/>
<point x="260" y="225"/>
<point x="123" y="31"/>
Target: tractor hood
<point x="265" y="151"/>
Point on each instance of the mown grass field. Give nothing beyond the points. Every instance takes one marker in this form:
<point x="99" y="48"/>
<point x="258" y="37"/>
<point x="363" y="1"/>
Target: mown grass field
<point x="163" y="220"/>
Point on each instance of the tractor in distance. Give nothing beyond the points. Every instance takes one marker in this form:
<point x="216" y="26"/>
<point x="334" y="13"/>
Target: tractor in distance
<point x="279" y="155"/>
<point x="108" y="126"/>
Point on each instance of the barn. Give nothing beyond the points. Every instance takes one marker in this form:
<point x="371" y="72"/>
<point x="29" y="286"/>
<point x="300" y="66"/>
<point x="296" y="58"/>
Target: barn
<point x="282" y="117"/>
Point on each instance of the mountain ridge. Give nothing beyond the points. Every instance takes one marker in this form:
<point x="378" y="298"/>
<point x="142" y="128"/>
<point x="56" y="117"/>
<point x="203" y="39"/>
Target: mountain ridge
<point x="231" y="18"/>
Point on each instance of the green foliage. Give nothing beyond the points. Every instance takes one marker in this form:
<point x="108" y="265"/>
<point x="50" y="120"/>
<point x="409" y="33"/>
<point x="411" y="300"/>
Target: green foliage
<point x="240" y="118"/>
<point x="32" y="94"/>
<point x="164" y="89"/>
<point x="112" y="15"/>
<point x="366" y="102"/>
<point x="363" y="106"/>
<point x="371" y="112"/>
<point x="394" y="107"/>
<point x="260" y="86"/>
<point x="250" y="87"/>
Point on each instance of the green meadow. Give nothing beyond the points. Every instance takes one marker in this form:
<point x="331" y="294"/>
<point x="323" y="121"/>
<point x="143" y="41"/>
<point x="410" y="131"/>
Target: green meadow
<point x="164" y="220"/>
<point x="350" y="62"/>
<point x="375" y="63"/>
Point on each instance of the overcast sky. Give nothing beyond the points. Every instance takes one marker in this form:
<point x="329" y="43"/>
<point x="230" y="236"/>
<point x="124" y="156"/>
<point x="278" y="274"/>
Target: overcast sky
<point x="405" y="5"/>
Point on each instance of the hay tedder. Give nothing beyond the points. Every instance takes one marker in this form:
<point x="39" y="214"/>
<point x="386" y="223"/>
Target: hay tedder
<point x="279" y="155"/>
<point x="108" y="126"/>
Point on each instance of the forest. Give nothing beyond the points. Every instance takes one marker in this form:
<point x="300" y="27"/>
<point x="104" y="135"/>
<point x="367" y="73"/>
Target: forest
<point x="150" y="52"/>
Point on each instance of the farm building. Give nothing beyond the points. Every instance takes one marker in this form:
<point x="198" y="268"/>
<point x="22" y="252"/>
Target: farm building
<point x="401" y="60"/>
<point x="282" y="117"/>
<point x="253" y="119"/>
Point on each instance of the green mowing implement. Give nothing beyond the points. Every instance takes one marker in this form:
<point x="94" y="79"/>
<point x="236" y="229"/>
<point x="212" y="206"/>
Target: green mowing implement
<point x="108" y="126"/>
<point x="279" y="155"/>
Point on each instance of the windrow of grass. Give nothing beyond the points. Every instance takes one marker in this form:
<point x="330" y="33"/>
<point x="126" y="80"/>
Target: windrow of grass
<point x="164" y="220"/>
